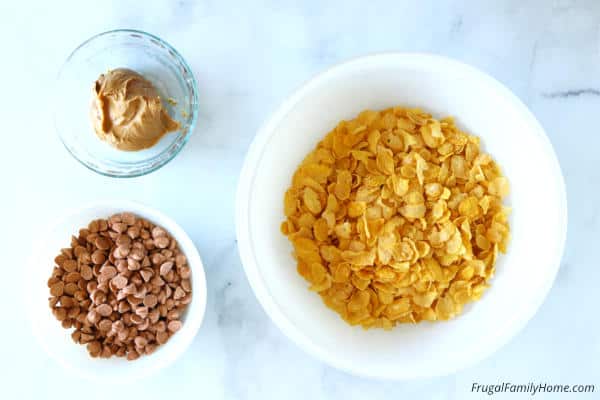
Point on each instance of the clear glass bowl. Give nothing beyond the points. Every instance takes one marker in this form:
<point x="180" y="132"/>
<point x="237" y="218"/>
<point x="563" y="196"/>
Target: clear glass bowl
<point x="154" y="59"/>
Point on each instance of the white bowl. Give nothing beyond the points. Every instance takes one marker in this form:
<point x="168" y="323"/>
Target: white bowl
<point x="483" y="107"/>
<point x="57" y="340"/>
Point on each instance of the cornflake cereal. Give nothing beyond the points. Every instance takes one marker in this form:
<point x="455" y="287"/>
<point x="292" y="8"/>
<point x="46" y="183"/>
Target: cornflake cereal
<point x="397" y="217"/>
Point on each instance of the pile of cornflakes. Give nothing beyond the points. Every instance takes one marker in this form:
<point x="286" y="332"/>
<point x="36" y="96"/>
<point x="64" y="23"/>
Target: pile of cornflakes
<point x="397" y="217"/>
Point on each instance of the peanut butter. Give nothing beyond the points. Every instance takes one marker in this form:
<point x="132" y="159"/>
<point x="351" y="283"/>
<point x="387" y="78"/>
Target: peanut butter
<point x="127" y="111"/>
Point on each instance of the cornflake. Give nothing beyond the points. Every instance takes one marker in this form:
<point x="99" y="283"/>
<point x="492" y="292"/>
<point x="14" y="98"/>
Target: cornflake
<point x="397" y="217"/>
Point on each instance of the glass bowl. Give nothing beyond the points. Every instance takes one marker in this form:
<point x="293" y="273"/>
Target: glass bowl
<point x="157" y="61"/>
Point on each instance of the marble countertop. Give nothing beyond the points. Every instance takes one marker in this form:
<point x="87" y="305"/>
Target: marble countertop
<point x="247" y="57"/>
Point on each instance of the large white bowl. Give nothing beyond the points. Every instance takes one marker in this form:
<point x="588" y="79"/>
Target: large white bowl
<point x="57" y="340"/>
<point x="483" y="107"/>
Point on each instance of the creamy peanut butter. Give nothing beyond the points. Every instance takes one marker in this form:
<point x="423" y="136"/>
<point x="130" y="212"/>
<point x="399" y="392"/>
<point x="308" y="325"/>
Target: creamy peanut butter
<point x="127" y="111"/>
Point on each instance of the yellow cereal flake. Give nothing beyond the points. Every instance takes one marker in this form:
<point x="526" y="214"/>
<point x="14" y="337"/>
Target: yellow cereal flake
<point x="397" y="217"/>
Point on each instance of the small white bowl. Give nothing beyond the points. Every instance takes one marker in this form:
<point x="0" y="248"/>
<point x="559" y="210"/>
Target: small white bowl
<point x="483" y="107"/>
<point x="57" y="341"/>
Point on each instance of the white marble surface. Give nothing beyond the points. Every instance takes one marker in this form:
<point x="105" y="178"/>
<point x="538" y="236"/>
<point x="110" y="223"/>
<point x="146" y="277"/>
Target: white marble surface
<point x="247" y="56"/>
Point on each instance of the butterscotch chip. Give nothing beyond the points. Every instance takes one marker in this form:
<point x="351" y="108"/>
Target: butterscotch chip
<point x="98" y="296"/>
<point x="118" y="326"/>
<point x="86" y="338"/>
<point x="133" y="300"/>
<point x="91" y="286"/>
<point x="136" y="254"/>
<point x="158" y="232"/>
<point x="124" y="251"/>
<point x="67" y="252"/>
<point x="146" y="274"/>
<point x="174" y="326"/>
<point x="128" y="218"/>
<point x="160" y="326"/>
<point x="102" y="243"/>
<point x="136" y="319"/>
<point x="72" y="277"/>
<point x="108" y="271"/>
<point x="78" y="251"/>
<point x="70" y="288"/>
<point x="141" y="293"/>
<point x="123" y="240"/>
<point x="187" y="299"/>
<point x="162" y="242"/>
<point x="108" y="287"/>
<point x="185" y="272"/>
<point x="73" y="312"/>
<point x="57" y="289"/>
<point x="150" y="348"/>
<point x="94" y="348"/>
<point x="104" y="310"/>
<point x="121" y="266"/>
<point x="59" y="260"/>
<point x="69" y="265"/>
<point x="84" y="258"/>
<point x="130" y="289"/>
<point x="179" y="293"/>
<point x="80" y="295"/>
<point x="106" y="352"/>
<point x="105" y="325"/>
<point x="157" y="259"/>
<point x="132" y="355"/>
<point x="53" y="280"/>
<point x="137" y="280"/>
<point x="60" y="313"/>
<point x="94" y="226"/>
<point x="133" y="265"/>
<point x="162" y="337"/>
<point x="119" y="227"/>
<point x="180" y="260"/>
<point x="98" y="257"/>
<point x="133" y="232"/>
<point x="166" y="267"/>
<point x="76" y="335"/>
<point x="186" y="285"/>
<point x="123" y="307"/>
<point x="120" y="252"/>
<point x="154" y="316"/>
<point x="67" y="301"/>
<point x="142" y="311"/>
<point x="140" y="341"/>
<point x="150" y="300"/>
<point x="162" y="308"/>
<point x="173" y="314"/>
<point x="93" y="317"/>
<point x="119" y="281"/>
<point x="81" y="319"/>
<point x="86" y="272"/>
<point x="102" y="225"/>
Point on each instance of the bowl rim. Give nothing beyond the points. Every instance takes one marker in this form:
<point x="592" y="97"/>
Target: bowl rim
<point x="254" y="157"/>
<point x="157" y="161"/>
<point x="192" y="323"/>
